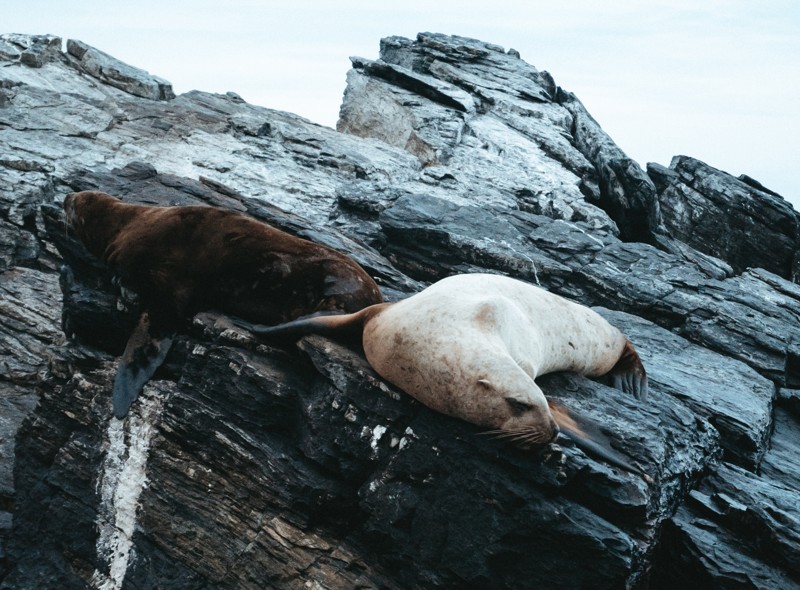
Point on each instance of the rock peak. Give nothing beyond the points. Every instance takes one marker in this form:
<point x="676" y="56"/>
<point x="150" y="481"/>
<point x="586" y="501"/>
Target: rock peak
<point x="37" y="50"/>
<point x="245" y="464"/>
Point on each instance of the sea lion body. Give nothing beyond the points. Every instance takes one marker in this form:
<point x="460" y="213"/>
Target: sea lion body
<point x="471" y="346"/>
<point x="182" y="260"/>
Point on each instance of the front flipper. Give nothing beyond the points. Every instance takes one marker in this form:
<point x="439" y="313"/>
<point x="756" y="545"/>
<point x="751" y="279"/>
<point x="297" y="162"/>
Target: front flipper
<point x="629" y="374"/>
<point x="145" y="352"/>
<point x="588" y="437"/>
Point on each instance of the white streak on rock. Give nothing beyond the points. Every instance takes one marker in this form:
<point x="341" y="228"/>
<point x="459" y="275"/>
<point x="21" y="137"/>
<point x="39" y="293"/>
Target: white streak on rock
<point x="377" y="433"/>
<point x="121" y="482"/>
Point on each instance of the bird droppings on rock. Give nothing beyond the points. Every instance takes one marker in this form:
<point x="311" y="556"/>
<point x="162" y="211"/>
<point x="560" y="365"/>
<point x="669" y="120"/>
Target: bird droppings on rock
<point x="270" y="465"/>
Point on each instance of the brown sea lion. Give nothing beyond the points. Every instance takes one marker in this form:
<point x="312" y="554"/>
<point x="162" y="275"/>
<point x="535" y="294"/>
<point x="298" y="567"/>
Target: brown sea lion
<point x="471" y="346"/>
<point x="182" y="260"/>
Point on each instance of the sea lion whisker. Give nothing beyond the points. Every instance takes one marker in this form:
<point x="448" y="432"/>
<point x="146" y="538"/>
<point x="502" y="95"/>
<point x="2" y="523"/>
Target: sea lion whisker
<point x="520" y="435"/>
<point x="514" y="434"/>
<point x="532" y="437"/>
<point x="535" y="437"/>
<point x="506" y="435"/>
<point x="500" y="431"/>
<point x="522" y="443"/>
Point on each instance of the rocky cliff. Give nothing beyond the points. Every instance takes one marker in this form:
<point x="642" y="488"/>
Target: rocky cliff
<point x="248" y="465"/>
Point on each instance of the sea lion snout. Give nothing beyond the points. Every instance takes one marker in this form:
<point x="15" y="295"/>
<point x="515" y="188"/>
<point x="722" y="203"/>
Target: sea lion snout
<point x="72" y="203"/>
<point x="550" y="433"/>
<point x="69" y="204"/>
<point x="532" y="426"/>
<point x="69" y="211"/>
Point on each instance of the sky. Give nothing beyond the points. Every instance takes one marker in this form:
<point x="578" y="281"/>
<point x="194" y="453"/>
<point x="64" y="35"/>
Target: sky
<point x="718" y="80"/>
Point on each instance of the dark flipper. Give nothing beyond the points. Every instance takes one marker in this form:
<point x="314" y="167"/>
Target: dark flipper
<point x="324" y="324"/>
<point x="294" y="329"/>
<point x="144" y="353"/>
<point x="629" y="374"/>
<point x="588" y="437"/>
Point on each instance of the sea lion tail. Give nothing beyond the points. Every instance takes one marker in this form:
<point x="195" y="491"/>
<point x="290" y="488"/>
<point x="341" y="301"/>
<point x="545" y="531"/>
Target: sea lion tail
<point x="340" y="325"/>
<point x="144" y="353"/>
<point x="588" y="437"/>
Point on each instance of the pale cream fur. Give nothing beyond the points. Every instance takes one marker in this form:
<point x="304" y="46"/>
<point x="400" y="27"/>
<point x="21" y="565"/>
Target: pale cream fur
<point x="470" y="346"/>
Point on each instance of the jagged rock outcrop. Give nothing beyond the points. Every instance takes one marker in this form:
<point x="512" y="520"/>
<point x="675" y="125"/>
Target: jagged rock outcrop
<point x="696" y="199"/>
<point x="250" y="465"/>
<point x="538" y="144"/>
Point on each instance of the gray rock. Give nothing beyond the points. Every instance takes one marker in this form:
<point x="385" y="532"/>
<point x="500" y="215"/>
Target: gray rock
<point x="30" y="315"/>
<point x="735" y="531"/>
<point x="729" y="394"/>
<point x="790" y="399"/>
<point x="784" y="447"/>
<point x="490" y="118"/>
<point x="33" y="51"/>
<point x="118" y="74"/>
<point x="734" y="219"/>
<point x="297" y="466"/>
<point x="16" y="402"/>
<point x="16" y="246"/>
<point x="626" y="193"/>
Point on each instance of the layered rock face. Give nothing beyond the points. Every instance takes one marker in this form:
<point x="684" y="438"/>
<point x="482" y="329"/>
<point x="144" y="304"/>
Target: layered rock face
<point x="697" y="199"/>
<point x="247" y="464"/>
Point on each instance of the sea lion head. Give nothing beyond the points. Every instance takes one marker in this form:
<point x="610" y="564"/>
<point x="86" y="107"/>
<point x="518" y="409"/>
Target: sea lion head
<point x="82" y="206"/>
<point x="518" y="410"/>
<point x="89" y="218"/>
<point x="520" y="415"/>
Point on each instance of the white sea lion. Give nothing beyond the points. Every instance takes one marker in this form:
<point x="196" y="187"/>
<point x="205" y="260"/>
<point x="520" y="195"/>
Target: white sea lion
<point x="471" y="346"/>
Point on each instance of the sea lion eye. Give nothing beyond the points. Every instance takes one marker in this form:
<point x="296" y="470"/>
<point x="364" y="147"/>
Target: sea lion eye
<point x="518" y="406"/>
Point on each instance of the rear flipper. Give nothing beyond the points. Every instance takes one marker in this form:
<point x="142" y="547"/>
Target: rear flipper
<point x="145" y="352"/>
<point x="294" y="329"/>
<point x="325" y="324"/>
<point x="629" y="374"/>
<point x="588" y="437"/>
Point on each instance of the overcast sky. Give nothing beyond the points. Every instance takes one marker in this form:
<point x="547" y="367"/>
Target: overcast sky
<point x="718" y="80"/>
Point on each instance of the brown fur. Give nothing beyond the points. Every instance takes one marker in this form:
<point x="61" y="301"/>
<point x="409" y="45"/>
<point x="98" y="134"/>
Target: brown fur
<point x="181" y="260"/>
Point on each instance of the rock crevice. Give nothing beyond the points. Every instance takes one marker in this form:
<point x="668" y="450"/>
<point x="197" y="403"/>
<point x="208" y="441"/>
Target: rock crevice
<point x="248" y="465"/>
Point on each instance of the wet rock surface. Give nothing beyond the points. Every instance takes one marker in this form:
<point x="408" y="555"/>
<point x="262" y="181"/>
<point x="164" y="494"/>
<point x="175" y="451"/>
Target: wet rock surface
<point x="696" y="199"/>
<point x="249" y="465"/>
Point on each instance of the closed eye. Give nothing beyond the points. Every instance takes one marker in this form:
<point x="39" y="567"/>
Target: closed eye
<point x="518" y="407"/>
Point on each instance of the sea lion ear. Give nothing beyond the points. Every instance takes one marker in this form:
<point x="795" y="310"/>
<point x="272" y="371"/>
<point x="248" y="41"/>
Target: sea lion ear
<point x="485" y="383"/>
